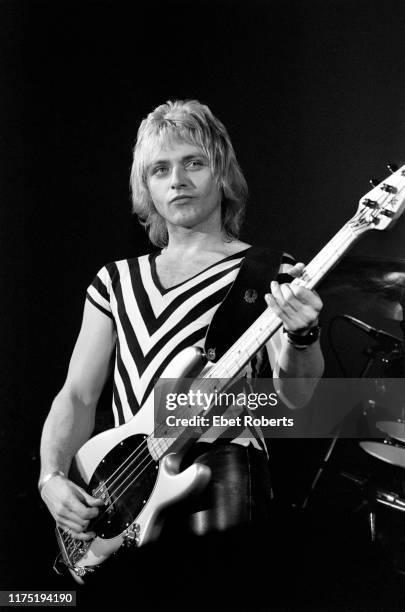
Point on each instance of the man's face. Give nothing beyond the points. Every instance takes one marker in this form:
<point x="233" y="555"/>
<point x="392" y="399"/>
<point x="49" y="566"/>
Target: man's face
<point x="182" y="186"/>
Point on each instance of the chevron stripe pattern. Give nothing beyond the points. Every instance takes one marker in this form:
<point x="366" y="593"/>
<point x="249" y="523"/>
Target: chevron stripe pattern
<point x="154" y="324"/>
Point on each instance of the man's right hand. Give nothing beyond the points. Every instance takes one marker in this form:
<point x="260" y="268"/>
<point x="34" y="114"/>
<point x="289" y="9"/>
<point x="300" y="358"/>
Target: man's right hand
<point x="71" y="507"/>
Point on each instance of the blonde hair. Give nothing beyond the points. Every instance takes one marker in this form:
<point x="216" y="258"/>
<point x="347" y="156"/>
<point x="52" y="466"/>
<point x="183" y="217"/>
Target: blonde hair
<point x="192" y="122"/>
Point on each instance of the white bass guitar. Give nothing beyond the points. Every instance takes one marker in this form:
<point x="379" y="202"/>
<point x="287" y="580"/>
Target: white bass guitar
<point x="136" y="470"/>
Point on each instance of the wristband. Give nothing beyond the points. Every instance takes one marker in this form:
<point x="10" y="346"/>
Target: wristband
<point x="48" y="477"/>
<point x="302" y="342"/>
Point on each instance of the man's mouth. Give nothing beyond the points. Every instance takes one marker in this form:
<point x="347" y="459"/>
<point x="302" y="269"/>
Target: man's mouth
<point x="180" y="198"/>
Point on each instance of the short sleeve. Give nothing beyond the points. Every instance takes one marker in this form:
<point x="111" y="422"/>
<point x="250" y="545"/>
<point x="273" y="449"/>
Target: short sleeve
<point x="98" y="293"/>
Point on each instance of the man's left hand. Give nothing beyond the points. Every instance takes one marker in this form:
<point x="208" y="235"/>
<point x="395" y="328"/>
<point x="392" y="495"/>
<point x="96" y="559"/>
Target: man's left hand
<point x="296" y="306"/>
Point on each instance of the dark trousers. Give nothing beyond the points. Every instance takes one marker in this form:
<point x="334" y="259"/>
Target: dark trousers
<point x="232" y="513"/>
<point x="238" y="492"/>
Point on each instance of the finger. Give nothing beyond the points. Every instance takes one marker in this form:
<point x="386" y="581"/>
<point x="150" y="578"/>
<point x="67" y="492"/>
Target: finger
<point x="271" y="302"/>
<point x="289" y="298"/>
<point x="292" y="319"/>
<point x="89" y="500"/>
<point x="82" y="535"/>
<point x="85" y="505"/>
<point x="86" y="537"/>
<point x="73" y="531"/>
<point x="73" y="520"/>
<point x="74" y="527"/>
<point x="305" y="296"/>
<point x="305" y="308"/>
<point x="93" y="501"/>
<point x="282" y="313"/>
<point x="72" y="508"/>
<point x="82" y="512"/>
<point x="284" y="296"/>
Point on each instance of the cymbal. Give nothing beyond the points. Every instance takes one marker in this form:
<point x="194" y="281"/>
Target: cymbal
<point x="369" y="274"/>
<point x="368" y="282"/>
<point x="395" y="429"/>
<point x="395" y="455"/>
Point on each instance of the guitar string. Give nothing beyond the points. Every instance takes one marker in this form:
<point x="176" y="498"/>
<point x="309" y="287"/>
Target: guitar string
<point x="153" y="439"/>
<point x="185" y="411"/>
<point x="151" y="436"/>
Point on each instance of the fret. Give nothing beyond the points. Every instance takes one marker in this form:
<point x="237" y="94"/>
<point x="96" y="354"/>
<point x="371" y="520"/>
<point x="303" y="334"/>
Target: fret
<point x="159" y="446"/>
<point x="329" y="256"/>
<point x="227" y="370"/>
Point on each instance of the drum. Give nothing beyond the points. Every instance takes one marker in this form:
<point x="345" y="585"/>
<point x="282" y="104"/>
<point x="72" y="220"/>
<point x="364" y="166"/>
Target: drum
<point x="394" y="429"/>
<point x="386" y="451"/>
<point x="386" y="492"/>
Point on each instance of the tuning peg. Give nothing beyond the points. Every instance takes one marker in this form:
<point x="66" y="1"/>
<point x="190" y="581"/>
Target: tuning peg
<point x="375" y="182"/>
<point x="392" y="168"/>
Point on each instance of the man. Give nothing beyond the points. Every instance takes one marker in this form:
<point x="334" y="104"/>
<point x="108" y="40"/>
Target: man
<point x="189" y="193"/>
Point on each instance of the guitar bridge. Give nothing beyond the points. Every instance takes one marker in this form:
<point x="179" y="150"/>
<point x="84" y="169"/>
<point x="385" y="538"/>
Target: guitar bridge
<point x="71" y="550"/>
<point x="131" y="535"/>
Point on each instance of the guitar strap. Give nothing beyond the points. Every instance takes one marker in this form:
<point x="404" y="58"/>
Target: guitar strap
<point x="244" y="302"/>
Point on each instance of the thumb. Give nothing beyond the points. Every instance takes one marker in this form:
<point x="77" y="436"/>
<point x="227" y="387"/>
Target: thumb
<point x="297" y="270"/>
<point x="90" y="501"/>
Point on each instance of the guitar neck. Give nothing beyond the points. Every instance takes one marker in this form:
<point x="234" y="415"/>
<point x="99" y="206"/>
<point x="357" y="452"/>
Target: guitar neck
<point x="235" y="359"/>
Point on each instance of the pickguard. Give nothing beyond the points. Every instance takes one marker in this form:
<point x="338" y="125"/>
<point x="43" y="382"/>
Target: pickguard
<point x="125" y="479"/>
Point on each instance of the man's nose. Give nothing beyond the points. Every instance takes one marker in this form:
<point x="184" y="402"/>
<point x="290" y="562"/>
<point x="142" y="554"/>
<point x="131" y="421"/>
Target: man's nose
<point x="179" y="177"/>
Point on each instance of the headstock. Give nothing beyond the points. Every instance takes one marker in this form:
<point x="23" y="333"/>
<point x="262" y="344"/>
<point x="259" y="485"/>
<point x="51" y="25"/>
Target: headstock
<point x="383" y="205"/>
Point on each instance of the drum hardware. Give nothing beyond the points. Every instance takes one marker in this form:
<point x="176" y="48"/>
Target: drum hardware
<point x="369" y="503"/>
<point x="374" y="496"/>
<point x="391" y="451"/>
<point x="388" y="341"/>
<point x="381" y="496"/>
<point x="378" y="283"/>
<point x="369" y="288"/>
<point x="383" y="351"/>
<point x="371" y="524"/>
<point x="361" y="285"/>
<point x="386" y="352"/>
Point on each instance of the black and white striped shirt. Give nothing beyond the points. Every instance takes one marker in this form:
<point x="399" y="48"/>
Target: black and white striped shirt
<point x="154" y="324"/>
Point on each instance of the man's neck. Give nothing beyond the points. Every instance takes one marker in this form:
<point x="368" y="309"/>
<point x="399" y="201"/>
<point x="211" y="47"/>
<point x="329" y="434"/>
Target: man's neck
<point x="189" y="242"/>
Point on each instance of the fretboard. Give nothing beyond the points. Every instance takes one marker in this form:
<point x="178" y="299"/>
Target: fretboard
<point x="240" y="353"/>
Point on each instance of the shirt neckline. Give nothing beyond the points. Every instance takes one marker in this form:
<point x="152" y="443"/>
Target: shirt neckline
<point x="164" y="290"/>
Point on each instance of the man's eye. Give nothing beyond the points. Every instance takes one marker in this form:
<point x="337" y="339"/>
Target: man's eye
<point x="160" y="170"/>
<point x="195" y="163"/>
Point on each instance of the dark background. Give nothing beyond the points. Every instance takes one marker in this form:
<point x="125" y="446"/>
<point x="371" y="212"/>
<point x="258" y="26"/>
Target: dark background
<point x="313" y="95"/>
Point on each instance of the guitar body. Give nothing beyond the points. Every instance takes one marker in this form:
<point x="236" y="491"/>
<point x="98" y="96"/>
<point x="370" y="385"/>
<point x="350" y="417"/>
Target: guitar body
<point x="121" y="466"/>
